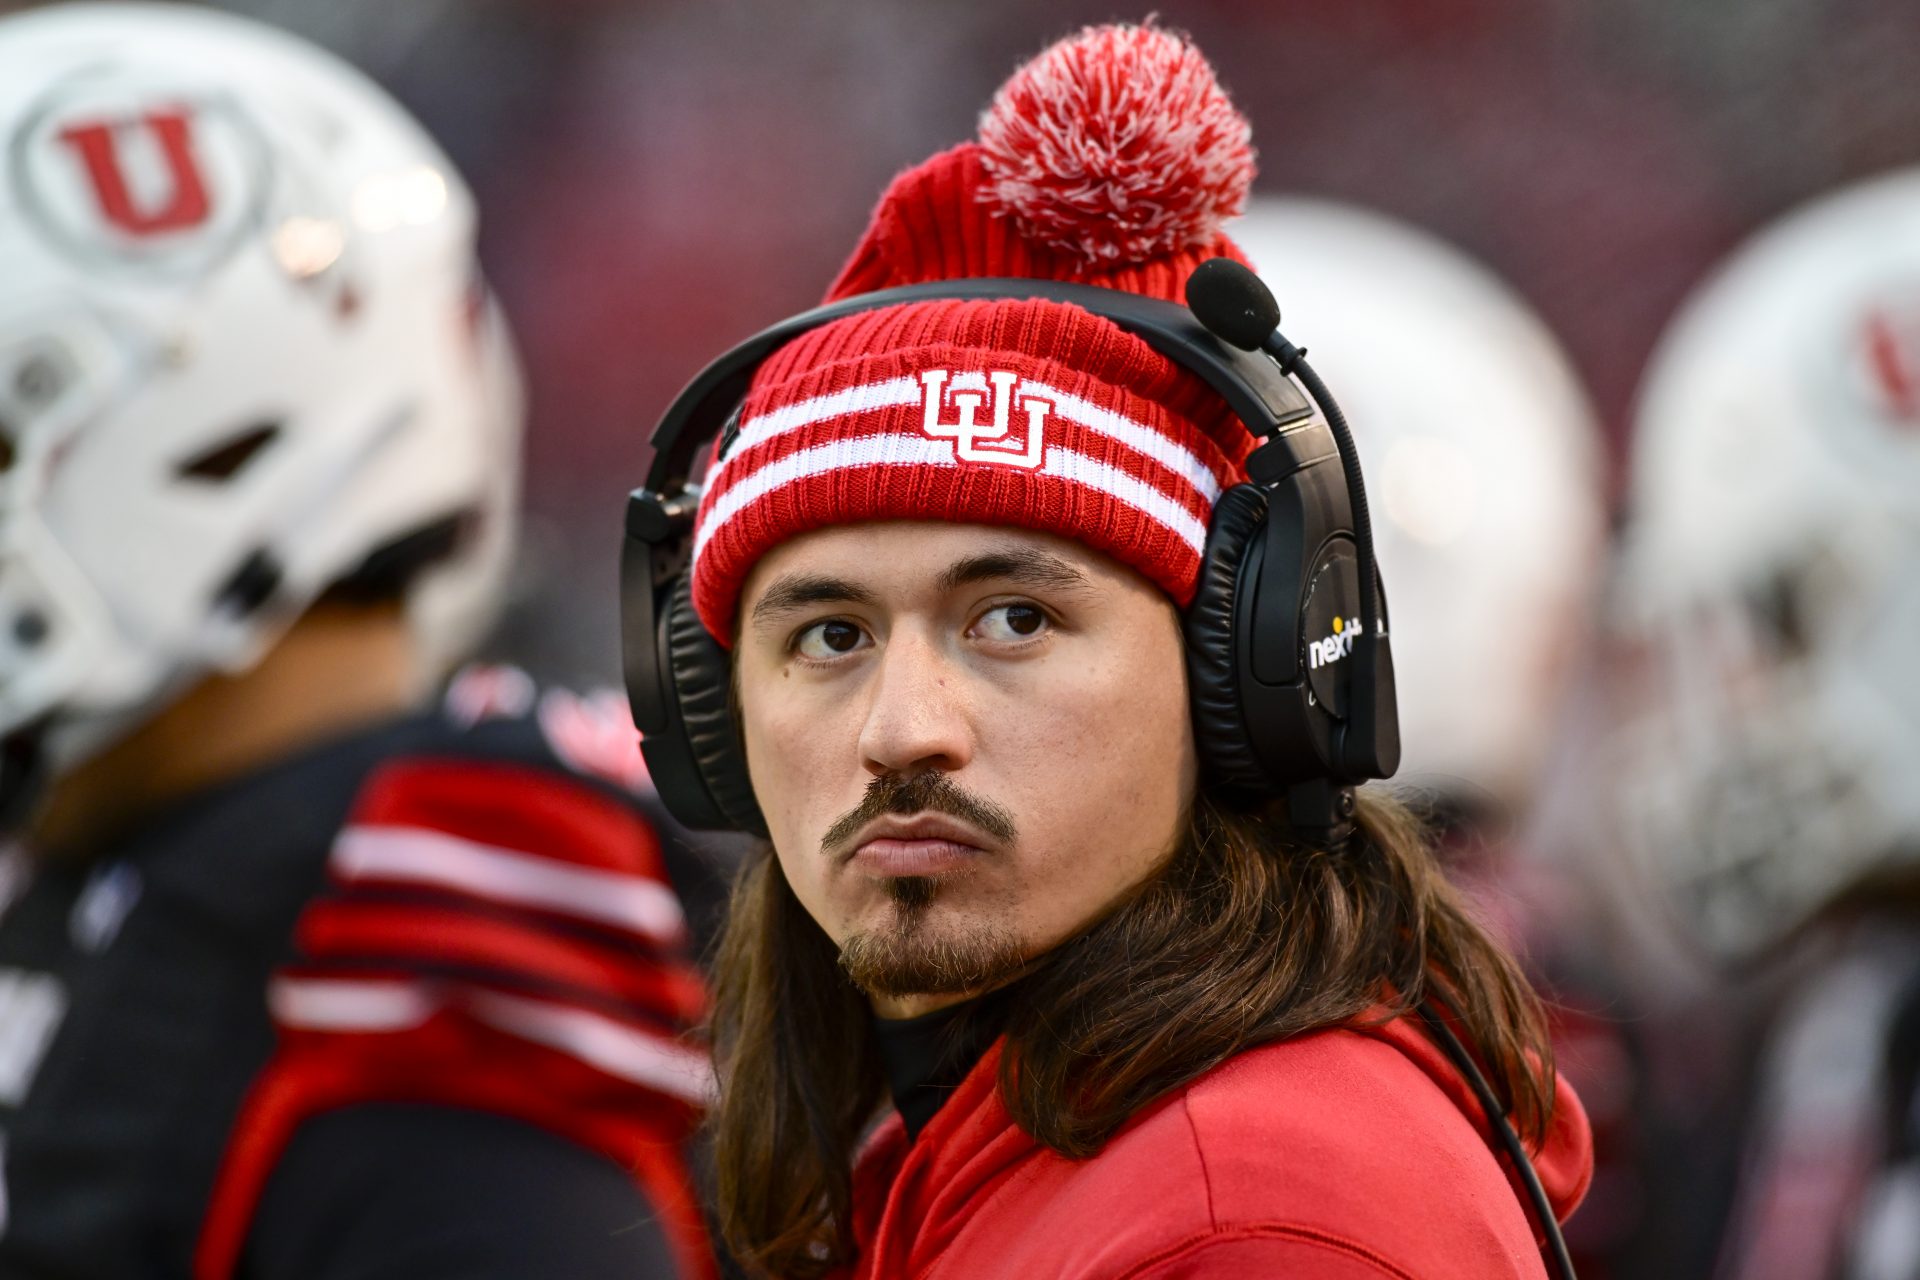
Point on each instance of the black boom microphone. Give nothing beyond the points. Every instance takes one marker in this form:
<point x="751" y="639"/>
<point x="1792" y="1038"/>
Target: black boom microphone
<point x="1237" y="307"/>
<point x="1233" y="302"/>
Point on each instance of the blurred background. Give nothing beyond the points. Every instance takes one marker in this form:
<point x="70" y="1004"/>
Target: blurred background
<point x="658" y="180"/>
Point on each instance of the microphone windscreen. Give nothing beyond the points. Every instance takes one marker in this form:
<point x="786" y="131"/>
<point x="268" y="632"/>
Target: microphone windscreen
<point x="1232" y="302"/>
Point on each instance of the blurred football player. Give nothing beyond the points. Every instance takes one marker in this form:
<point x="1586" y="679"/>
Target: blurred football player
<point x="1768" y="781"/>
<point x="1486" y="451"/>
<point x="1482" y="448"/>
<point x="297" y="979"/>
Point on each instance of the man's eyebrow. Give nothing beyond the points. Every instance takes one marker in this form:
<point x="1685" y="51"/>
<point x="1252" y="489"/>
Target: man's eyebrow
<point x="797" y="590"/>
<point x="1027" y="565"/>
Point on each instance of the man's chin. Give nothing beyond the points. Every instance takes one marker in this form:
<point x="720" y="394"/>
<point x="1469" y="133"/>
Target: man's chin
<point x="914" y="955"/>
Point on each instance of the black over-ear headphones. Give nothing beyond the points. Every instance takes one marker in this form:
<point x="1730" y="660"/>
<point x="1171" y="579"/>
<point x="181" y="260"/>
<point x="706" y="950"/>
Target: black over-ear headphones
<point x="1288" y="663"/>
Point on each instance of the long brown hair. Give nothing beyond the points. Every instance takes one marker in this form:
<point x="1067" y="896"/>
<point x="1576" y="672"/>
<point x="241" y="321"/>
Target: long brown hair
<point x="1244" y="936"/>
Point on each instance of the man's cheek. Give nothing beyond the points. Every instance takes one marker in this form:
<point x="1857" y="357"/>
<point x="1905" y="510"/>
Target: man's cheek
<point x="781" y="768"/>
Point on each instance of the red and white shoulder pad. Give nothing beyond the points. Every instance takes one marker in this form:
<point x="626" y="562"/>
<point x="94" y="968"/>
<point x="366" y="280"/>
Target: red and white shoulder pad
<point x="492" y="887"/>
<point x="493" y="936"/>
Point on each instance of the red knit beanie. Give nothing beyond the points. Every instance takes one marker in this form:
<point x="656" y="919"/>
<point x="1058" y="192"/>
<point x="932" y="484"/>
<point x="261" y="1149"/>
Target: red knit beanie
<point x="1111" y="159"/>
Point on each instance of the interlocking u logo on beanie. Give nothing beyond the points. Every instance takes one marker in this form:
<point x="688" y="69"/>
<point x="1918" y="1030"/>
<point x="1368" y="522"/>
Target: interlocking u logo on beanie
<point x="1112" y="159"/>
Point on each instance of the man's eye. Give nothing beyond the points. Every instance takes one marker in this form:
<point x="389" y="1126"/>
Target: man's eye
<point x="827" y="640"/>
<point x="1011" y="622"/>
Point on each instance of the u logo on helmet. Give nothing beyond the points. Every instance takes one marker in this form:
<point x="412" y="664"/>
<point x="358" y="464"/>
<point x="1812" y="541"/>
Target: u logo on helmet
<point x="975" y="441"/>
<point x="183" y="206"/>
<point x="135" y="172"/>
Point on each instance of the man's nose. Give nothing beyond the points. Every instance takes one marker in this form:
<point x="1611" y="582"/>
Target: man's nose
<point x="917" y="718"/>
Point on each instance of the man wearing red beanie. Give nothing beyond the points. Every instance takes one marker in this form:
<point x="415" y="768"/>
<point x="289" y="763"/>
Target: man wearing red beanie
<point x="1129" y="1024"/>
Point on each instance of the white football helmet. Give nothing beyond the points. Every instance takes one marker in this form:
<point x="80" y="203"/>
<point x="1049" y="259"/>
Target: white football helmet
<point x="243" y="346"/>
<point x="1480" y="450"/>
<point x="1769" y="586"/>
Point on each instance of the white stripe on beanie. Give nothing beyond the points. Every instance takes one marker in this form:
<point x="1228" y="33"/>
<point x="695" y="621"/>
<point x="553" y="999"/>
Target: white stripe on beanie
<point x="804" y="413"/>
<point x="1139" y="437"/>
<point x="887" y="449"/>
<point x="893" y="392"/>
<point x="912" y="449"/>
<point x="1131" y="490"/>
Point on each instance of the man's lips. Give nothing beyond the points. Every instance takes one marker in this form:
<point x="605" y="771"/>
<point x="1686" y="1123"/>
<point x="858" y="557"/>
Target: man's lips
<point x="913" y="857"/>
<point x="924" y="844"/>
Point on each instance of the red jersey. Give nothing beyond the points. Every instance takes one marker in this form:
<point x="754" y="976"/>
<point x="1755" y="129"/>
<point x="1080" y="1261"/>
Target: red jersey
<point x="1349" y="1154"/>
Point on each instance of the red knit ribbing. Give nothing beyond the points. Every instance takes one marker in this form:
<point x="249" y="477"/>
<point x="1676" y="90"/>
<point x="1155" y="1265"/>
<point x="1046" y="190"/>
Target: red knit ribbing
<point x="940" y="221"/>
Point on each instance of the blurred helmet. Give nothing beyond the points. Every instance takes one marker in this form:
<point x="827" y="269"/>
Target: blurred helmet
<point x="245" y="355"/>
<point x="1769" y="586"/>
<point x="1480" y="450"/>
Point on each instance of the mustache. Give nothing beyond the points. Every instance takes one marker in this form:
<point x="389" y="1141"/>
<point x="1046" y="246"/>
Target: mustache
<point x="906" y="794"/>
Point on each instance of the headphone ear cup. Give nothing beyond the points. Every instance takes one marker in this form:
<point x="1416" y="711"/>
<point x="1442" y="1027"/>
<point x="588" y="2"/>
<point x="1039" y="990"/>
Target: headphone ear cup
<point x="1227" y="756"/>
<point x="702" y="674"/>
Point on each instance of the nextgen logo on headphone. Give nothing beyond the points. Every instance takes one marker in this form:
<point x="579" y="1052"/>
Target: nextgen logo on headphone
<point x="1334" y="647"/>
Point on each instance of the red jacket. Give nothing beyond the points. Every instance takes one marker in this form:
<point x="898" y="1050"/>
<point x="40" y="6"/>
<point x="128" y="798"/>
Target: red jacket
<point x="1340" y="1155"/>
